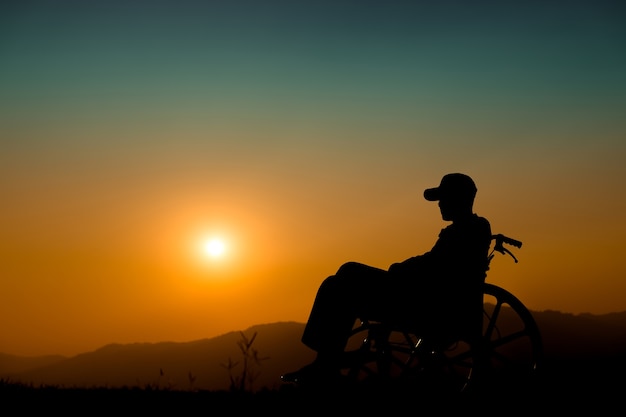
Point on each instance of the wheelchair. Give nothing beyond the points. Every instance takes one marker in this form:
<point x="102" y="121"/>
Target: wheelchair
<point x="495" y="344"/>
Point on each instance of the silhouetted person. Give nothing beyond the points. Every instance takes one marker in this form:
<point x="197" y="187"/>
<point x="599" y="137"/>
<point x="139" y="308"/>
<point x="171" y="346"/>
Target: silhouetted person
<point x="422" y="290"/>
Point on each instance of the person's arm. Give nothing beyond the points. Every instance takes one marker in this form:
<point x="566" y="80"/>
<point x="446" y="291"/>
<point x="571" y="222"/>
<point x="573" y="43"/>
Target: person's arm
<point x="418" y="263"/>
<point x="413" y="264"/>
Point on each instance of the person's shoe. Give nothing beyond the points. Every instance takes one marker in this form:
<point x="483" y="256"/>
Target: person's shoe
<point x="312" y="373"/>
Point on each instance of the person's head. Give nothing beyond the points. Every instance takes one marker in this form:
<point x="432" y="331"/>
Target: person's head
<point x="455" y="195"/>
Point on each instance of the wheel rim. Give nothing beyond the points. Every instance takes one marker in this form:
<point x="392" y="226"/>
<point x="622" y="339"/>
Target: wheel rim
<point x="511" y="338"/>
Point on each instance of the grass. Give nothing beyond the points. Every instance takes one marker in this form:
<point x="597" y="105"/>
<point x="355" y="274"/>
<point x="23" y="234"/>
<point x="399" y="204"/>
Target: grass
<point x="563" y="394"/>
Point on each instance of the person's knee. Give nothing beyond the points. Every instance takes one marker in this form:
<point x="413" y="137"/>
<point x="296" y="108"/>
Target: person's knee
<point x="341" y="280"/>
<point x="330" y="284"/>
<point x="348" y="268"/>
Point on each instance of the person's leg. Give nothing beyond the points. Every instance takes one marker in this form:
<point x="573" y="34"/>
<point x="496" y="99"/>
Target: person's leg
<point x="354" y="291"/>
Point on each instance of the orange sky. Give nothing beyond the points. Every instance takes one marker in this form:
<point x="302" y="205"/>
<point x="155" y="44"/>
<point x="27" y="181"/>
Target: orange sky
<point x="114" y="168"/>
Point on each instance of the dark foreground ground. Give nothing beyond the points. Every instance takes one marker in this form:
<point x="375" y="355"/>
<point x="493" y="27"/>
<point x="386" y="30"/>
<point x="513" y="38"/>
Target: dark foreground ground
<point x="589" y="386"/>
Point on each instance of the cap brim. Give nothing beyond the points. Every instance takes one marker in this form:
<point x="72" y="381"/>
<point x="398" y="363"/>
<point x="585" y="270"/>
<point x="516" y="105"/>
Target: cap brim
<point x="432" y="194"/>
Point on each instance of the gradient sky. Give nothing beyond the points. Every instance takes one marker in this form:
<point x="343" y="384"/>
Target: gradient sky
<point x="303" y="133"/>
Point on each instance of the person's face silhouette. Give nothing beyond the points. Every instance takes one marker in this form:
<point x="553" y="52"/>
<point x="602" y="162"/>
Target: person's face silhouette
<point x="453" y="208"/>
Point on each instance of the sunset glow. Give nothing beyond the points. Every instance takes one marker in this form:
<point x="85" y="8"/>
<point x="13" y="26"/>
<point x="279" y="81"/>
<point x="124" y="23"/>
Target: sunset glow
<point x="182" y="169"/>
<point x="215" y="247"/>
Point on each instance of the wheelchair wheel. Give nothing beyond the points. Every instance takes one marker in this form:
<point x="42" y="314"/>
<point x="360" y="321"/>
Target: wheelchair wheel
<point x="509" y="354"/>
<point x="512" y="345"/>
<point x="510" y="350"/>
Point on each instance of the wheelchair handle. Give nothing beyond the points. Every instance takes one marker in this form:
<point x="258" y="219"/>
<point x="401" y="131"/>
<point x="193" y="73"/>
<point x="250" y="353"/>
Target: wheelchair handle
<point x="501" y="240"/>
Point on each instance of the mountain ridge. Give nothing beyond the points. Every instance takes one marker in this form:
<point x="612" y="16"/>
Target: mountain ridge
<point x="204" y="364"/>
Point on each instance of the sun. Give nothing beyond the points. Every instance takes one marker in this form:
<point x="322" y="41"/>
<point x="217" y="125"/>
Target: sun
<point x="215" y="247"/>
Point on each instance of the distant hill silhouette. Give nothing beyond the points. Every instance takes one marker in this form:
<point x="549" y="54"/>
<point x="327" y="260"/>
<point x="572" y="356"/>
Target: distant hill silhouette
<point x="10" y="364"/>
<point x="167" y="364"/>
<point x="583" y="336"/>
<point x="569" y="341"/>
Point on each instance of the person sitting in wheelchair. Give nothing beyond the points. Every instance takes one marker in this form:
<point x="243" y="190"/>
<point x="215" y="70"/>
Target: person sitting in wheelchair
<point x="426" y="291"/>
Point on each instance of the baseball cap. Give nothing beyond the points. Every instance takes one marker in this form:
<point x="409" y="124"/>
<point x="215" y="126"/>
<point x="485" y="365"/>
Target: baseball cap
<point x="455" y="185"/>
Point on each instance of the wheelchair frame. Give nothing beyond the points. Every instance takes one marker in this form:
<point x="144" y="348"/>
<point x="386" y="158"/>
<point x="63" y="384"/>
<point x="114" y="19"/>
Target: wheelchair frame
<point x="507" y="350"/>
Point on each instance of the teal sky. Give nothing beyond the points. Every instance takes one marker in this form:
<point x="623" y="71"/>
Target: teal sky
<point x="309" y="130"/>
<point x="498" y="65"/>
